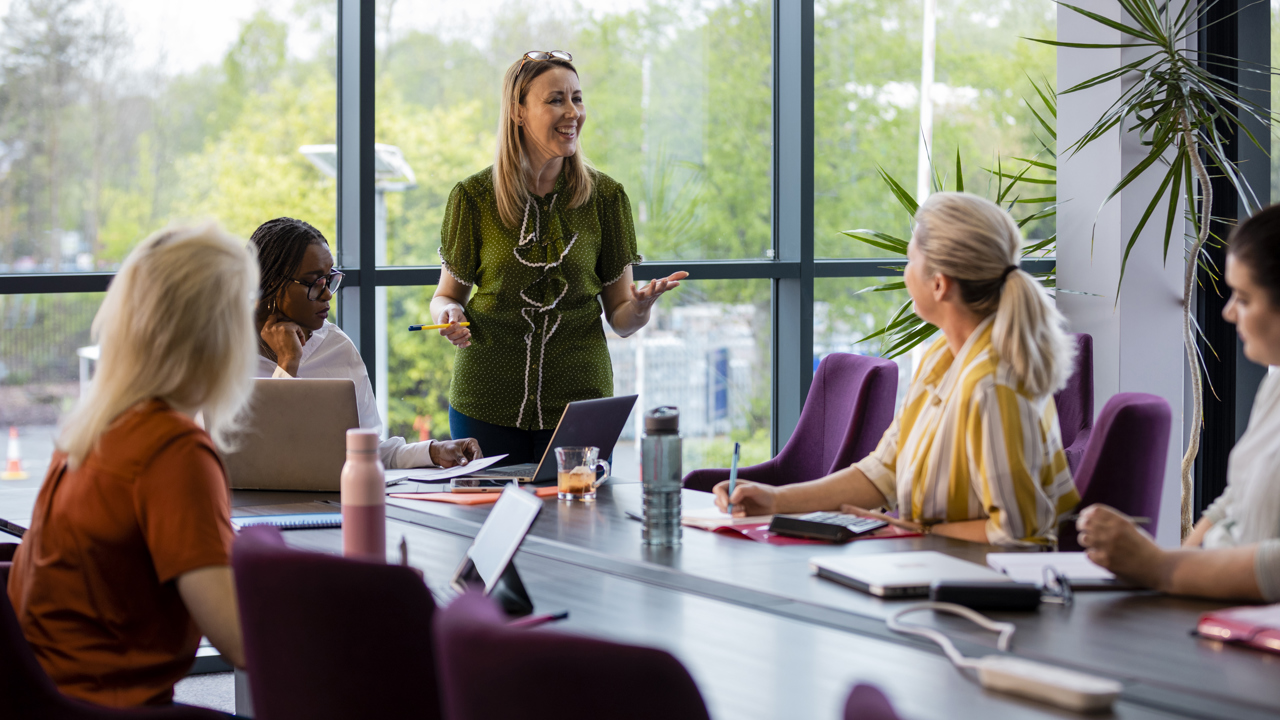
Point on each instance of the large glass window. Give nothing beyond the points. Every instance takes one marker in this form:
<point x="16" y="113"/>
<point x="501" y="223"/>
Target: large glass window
<point x="678" y="98"/>
<point x="45" y="360"/>
<point x="868" y="69"/>
<point x="121" y="116"/>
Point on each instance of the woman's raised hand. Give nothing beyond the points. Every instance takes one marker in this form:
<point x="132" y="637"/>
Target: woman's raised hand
<point x="749" y="499"/>
<point x="285" y="338"/>
<point x="646" y="296"/>
<point x="457" y="334"/>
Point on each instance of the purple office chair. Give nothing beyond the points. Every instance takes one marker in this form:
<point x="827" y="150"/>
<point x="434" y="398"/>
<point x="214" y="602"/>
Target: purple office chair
<point x="850" y="405"/>
<point x="1124" y="464"/>
<point x="1075" y="404"/>
<point x="489" y="670"/>
<point x="866" y="702"/>
<point x="27" y="692"/>
<point x="328" y="637"/>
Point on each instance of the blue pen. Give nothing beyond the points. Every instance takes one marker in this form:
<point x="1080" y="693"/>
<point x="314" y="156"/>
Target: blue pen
<point x="733" y="475"/>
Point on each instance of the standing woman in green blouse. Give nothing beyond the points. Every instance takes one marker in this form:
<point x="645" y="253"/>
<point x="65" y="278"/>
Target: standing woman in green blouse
<point x="540" y="236"/>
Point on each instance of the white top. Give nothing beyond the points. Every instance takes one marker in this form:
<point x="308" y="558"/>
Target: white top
<point x="329" y="353"/>
<point x="1248" y="511"/>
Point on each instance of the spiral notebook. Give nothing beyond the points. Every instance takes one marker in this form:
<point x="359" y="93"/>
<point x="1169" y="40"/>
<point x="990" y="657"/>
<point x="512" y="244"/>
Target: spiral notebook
<point x="293" y="521"/>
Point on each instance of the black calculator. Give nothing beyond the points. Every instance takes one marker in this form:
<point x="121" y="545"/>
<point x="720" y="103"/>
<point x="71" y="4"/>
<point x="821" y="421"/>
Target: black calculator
<point x="829" y="526"/>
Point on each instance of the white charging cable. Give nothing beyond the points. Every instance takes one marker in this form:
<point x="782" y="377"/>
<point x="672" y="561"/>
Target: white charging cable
<point x="1047" y="683"/>
<point x="1005" y="629"/>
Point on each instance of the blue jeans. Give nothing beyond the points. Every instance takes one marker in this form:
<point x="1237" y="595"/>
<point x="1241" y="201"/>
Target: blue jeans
<point x="520" y="446"/>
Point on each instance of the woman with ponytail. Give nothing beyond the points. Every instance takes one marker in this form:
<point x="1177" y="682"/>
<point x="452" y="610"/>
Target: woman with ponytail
<point x="975" y="453"/>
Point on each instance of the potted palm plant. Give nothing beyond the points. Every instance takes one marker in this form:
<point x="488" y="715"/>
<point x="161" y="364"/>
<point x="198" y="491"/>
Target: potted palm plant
<point x="1185" y="115"/>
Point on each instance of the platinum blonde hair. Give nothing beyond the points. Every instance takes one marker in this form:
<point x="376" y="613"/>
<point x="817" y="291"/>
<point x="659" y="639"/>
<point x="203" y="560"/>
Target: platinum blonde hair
<point x="511" y="163"/>
<point x="972" y="240"/>
<point x="177" y="324"/>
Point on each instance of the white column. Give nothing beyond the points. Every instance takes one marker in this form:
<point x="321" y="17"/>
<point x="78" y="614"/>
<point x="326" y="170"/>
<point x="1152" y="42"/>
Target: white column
<point x="1138" y="340"/>
<point x="929" y="36"/>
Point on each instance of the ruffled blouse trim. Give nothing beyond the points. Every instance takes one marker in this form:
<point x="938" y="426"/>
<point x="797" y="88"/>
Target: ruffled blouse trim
<point x="639" y="259"/>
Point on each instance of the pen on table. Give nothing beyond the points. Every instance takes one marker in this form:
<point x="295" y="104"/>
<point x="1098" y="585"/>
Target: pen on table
<point x="413" y="328"/>
<point x="733" y="477"/>
<point x="1135" y="520"/>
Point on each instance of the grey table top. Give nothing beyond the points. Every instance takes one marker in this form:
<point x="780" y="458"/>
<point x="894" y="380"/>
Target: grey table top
<point x="765" y="638"/>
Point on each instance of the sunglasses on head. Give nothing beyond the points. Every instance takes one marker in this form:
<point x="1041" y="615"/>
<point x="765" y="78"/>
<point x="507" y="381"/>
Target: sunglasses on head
<point x="540" y="55"/>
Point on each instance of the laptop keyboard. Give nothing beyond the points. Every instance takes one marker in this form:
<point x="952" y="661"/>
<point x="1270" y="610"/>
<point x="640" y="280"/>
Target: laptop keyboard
<point x="853" y="522"/>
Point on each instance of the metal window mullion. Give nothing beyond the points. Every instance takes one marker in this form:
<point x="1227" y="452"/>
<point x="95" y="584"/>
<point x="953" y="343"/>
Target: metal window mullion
<point x="792" y="212"/>
<point x="355" y="173"/>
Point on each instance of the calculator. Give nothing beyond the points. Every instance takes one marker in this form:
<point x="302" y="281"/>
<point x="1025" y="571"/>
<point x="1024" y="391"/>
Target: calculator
<point x="829" y="526"/>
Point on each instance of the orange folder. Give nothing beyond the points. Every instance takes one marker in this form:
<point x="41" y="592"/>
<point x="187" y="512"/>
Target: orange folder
<point x="468" y="498"/>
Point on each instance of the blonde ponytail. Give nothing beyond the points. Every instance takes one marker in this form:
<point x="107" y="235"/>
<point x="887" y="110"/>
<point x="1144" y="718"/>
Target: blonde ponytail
<point x="972" y="240"/>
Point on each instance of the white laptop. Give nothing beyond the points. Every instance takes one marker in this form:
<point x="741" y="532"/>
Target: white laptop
<point x="900" y="574"/>
<point x="295" y="435"/>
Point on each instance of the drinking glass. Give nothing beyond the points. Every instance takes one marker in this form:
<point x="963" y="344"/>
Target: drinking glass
<point x="576" y="472"/>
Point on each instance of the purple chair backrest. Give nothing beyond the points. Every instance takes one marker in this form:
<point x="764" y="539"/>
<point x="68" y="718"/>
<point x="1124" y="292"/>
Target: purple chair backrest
<point x="849" y="406"/>
<point x="866" y="702"/>
<point x="328" y="637"/>
<point x="488" y="670"/>
<point x="27" y="692"/>
<point x="1124" y="464"/>
<point x="1075" y="403"/>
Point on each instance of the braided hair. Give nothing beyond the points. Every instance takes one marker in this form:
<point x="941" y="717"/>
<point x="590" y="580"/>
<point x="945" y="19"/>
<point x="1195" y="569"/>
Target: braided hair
<point x="281" y="244"/>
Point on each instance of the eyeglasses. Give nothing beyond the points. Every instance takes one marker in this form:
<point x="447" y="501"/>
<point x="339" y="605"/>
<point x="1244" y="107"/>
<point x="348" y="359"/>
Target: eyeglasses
<point x="316" y="287"/>
<point x="540" y="55"/>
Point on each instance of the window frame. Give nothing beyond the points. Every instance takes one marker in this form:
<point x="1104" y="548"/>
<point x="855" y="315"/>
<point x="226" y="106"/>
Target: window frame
<point x="792" y="271"/>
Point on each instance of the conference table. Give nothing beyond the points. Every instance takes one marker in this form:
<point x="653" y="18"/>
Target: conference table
<point x="764" y="638"/>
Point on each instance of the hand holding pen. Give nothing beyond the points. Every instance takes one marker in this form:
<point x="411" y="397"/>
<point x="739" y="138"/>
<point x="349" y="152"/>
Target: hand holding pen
<point x="455" y="325"/>
<point x="733" y="474"/>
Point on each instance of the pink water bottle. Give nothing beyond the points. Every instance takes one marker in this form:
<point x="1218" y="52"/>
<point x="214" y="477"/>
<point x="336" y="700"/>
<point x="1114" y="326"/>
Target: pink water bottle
<point x="364" y="502"/>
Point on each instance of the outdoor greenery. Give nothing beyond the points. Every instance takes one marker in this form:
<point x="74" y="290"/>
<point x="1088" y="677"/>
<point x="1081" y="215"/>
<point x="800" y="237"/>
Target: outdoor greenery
<point x="95" y="154"/>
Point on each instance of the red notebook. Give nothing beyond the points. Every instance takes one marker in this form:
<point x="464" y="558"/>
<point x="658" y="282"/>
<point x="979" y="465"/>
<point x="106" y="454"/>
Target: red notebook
<point x="1254" y="626"/>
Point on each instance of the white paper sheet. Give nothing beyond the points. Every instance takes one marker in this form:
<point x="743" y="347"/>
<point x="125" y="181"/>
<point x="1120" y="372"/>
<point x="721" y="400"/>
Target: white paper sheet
<point x="1029" y="567"/>
<point x="435" y="475"/>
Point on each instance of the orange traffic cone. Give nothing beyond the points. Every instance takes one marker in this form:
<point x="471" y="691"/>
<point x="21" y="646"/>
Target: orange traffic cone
<point x="13" y="471"/>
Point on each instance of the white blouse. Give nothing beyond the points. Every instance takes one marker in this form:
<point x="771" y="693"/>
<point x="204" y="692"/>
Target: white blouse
<point x="1248" y="511"/>
<point x="329" y="353"/>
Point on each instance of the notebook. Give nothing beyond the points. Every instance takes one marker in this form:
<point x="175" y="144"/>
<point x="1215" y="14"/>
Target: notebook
<point x="1076" y="567"/>
<point x="1253" y="626"/>
<point x="295" y="521"/>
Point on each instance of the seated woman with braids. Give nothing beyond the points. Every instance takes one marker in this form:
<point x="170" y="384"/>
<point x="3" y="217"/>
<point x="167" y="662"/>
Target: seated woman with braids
<point x="975" y="453"/>
<point x="297" y="340"/>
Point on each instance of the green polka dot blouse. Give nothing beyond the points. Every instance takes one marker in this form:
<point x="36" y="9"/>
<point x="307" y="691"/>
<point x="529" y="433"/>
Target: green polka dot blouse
<point x="537" y="340"/>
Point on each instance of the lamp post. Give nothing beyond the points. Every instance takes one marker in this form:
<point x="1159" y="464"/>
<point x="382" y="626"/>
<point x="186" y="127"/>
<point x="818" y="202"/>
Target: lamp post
<point x="391" y="173"/>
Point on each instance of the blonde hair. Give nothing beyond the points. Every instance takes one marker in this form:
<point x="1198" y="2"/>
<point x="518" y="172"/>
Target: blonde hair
<point x="972" y="240"/>
<point x="511" y="162"/>
<point x="177" y="324"/>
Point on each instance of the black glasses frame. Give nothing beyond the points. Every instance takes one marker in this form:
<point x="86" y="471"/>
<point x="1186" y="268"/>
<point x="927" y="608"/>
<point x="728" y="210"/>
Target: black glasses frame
<point x="316" y="287"/>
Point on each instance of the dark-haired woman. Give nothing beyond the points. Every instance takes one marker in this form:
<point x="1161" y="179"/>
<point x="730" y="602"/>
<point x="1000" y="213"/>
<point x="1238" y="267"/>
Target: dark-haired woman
<point x="297" y="340"/>
<point x="1234" y="551"/>
<point x="545" y="240"/>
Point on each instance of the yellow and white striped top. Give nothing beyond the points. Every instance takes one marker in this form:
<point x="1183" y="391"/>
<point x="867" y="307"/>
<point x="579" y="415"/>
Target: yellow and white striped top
<point x="969" y="444"/>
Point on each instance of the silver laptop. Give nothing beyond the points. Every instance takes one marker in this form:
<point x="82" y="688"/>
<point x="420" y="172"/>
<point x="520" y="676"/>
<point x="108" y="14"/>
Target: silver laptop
<point x="585" y="423"/>
<point x="900" y="574"/>
<point x="295" y="435"/>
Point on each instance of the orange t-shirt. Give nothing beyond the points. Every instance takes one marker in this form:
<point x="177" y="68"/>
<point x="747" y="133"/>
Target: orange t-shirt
<point x="93" y="580"/>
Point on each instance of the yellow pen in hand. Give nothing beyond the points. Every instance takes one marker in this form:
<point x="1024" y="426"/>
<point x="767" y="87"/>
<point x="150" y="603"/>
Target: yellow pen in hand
<point x="441" y="326"/>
